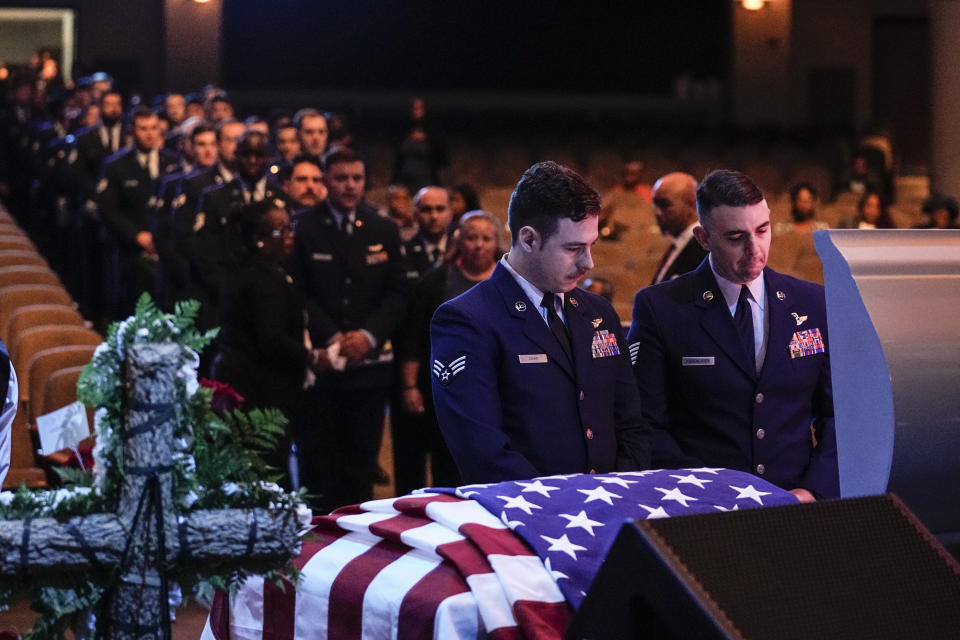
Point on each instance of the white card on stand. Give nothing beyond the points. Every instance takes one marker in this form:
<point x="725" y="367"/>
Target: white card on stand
<point x="63" y="428"/>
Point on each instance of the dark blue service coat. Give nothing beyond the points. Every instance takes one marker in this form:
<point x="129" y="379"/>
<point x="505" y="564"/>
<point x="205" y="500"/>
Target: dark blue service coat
<point x="704" y="399"/>
<point x="510" y="403"/>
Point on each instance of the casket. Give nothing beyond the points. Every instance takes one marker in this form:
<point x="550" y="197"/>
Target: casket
<point x="505" y="560"/>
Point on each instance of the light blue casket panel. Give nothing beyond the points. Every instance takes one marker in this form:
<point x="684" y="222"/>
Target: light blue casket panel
<point x="893" y="310"/>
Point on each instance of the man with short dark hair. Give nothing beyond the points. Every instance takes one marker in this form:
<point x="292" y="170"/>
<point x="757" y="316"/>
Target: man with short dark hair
<point x="303" y="183"/>
<point x="529" y="379"/>
<point x="675" y="208"/>
<point x="427" y="248"/>
<point x="126" y="195"/>
<point x="347" y="262"/>
<point x="731" y="360"/>
<point x="312" y="131"/>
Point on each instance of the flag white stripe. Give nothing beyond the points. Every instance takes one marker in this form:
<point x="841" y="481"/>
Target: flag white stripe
<point x="247" y="611"/>
<point x="313" y="595"/>
<point x="525" y="578"/>
<point x="429" y="537"/>
<point x="491" y="601"/>
<point x="457" y="618"/>
<point x="384" y="594"/>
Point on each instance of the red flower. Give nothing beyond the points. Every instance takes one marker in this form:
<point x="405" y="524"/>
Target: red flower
<point x="225" y="399"/>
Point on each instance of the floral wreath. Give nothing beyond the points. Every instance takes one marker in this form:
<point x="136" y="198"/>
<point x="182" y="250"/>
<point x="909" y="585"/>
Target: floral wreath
<point x="217" y="464"/>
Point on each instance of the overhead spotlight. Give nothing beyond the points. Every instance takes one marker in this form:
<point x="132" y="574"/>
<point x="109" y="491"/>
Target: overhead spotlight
<point x="749" y="5"/>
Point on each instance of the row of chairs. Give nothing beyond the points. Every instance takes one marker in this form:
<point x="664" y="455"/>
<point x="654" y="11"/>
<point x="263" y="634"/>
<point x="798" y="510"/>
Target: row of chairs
<point x="49" y="343"/>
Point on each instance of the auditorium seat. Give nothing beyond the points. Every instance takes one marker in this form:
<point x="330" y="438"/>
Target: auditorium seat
<point x="31" y="341"/>
<point x="27" y="274"/>
<point x="33" y="315"/>
<point x="10" y="257"/>
<point x="9" y="242"/>
<point x="14" y="297"/>
<point x="41" y="368"/>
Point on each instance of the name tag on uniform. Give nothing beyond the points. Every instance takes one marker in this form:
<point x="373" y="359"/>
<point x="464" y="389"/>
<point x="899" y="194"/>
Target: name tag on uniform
<point x="697" y="361"/>
<point x="130" y="183"/>
<point x="322" y="257"/>
<point x="532" y="358"/>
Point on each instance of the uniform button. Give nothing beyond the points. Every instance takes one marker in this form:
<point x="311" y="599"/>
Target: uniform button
<point x="760" y="434"/>
<point x="589" y="434"/>
<point x="581" y="395"/>
<point x="346" y="280"/>
<point x="759" y="398"/>
<point x="761" y="469"/>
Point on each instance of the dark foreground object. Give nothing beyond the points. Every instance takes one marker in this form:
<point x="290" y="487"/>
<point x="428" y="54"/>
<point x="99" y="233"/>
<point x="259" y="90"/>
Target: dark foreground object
<point x="857" y="568"/>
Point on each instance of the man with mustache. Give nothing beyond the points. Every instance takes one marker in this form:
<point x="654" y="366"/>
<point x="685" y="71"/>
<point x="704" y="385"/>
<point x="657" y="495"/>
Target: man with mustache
<point x="731" y="359"/>
<point x="528" y="374"/>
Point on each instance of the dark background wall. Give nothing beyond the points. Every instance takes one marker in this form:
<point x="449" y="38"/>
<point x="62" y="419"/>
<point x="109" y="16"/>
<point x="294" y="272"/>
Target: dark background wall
<point x="634" y="48"/>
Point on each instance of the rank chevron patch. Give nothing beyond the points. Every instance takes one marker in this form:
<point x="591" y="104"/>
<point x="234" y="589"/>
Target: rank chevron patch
<point x="446" y="372"/>
<point x="634" y="350"/>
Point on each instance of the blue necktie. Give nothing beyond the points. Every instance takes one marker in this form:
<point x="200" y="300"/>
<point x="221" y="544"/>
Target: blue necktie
<point x="556" y="324"/>
<point x="743" y="318"/>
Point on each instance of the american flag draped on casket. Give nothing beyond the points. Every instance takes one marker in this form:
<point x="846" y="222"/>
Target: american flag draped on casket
<point x="506" y="560"/>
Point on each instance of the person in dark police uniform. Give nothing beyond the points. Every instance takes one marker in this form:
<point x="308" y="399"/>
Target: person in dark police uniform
<point x="215" y="247"/>
<point x="732" y="361"/>
<point x="347" y="262"/>
<point x="129" y="185"/>
<point x="529" y="376"/>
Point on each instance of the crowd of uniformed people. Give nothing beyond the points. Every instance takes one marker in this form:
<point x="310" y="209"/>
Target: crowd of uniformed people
<point x="266" y="224"/>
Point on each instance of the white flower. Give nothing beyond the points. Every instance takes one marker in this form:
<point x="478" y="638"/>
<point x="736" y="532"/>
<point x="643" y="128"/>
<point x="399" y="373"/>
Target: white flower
<point x="121" y="329"/>
<point x="231" y="488"/>
<point x="188" y="500"/>
<point x="142" y="334"/>
<point x="304" y="514"/>
<point x="273" y="487"/>
<point x="188" y="462"/>
<point x="188" y="373"/>
<point x="6" y="498"/>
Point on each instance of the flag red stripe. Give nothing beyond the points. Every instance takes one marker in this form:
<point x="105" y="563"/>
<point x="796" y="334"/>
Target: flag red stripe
<point x="345" y="613"/>
<point x="418" y="609"/>
<point x="542" y="620"/>
<point x="415" y="505"/>
<point x="391" y="528"/>
<point x="465" y="557"/>
<point x="500" y="541"/>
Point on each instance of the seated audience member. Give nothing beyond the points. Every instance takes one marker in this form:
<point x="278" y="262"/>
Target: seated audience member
<point x="631" y="191"/>
<point x="675" y="209"/>
<point x="940" y="212"/>
<point x="803" y="211"/>
<point x="463" y="198"/>
<point x="416" y="435"/>
<point x="528" y="374"/>
<point x="872" y="213"/>
<point x="262" y="353"/>
<point x="600" y="286"/>
<point x="8" y="389"/>
<point x="732" y="359"/>
<point x="400" y="211"/>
